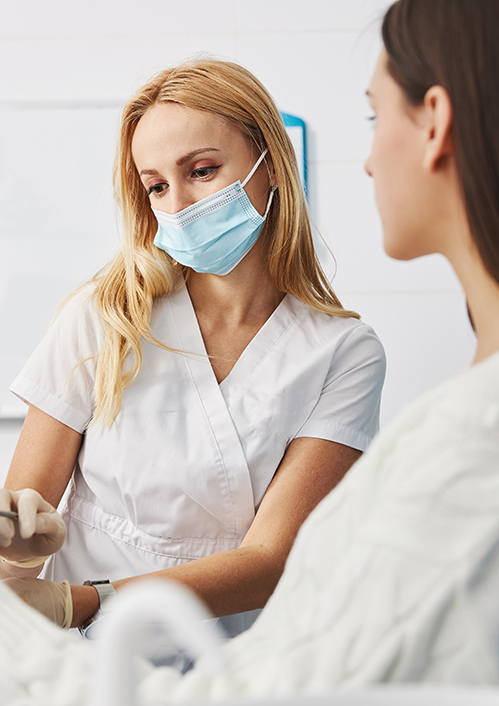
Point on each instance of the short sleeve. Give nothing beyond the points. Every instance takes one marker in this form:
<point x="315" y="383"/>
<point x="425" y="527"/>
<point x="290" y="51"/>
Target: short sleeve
<point x="55" y="379"/>
<point x="347" y="411"/>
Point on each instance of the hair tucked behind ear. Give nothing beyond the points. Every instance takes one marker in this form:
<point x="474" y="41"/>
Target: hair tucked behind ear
<point x="455" y="44"/>
<point x="141" y="272"/>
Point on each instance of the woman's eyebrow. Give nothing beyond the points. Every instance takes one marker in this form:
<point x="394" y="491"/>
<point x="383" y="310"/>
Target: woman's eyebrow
<point x="152" y="172"/>
<point x="182" y="160"/>
<point x="188" y="156"/>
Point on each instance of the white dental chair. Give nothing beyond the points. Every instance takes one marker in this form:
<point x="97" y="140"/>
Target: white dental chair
<point x="140" y="605"/>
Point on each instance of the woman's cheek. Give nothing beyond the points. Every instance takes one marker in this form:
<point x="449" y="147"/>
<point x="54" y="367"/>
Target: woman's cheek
<point x="390" y="179"/>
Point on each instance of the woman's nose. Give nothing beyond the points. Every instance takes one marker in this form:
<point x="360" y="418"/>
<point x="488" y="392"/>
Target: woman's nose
<point x="179" y="198"/>
<point x="367" y="166"/>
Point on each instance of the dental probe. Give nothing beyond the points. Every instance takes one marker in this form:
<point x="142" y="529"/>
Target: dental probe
<point x="10" y="515"/>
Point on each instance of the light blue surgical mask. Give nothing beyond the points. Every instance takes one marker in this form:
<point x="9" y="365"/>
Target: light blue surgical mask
<point x="214" y="234"/>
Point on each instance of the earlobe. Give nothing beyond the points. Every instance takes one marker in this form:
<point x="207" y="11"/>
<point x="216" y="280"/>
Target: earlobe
<point x="438" y="115"/>
<point x="271" y="171"/>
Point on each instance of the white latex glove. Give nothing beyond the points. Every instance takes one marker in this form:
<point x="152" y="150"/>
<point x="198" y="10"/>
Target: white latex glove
<point x="53" y="600"/>
<point x="39" y="532"/>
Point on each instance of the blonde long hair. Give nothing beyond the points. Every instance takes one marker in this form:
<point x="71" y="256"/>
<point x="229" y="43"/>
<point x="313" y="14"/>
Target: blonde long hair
<point x="125" y="291"/>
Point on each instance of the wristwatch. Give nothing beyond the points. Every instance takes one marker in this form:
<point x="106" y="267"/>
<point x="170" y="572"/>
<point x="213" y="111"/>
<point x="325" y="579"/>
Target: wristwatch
<point x="106" y="590"/>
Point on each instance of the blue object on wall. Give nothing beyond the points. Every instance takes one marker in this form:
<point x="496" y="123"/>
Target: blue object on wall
<point x="298" y="134"/>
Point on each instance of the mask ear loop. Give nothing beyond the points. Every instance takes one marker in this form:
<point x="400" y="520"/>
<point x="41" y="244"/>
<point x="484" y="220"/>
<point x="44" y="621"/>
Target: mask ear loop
<point x="255" y="167"/>
<point x="269" y="203"/>
<point x="273" y="187"/>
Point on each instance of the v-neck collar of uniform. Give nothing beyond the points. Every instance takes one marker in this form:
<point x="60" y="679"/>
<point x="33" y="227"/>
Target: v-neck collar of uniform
<point x="228" y="453"/>
<point x="285" y="315"/>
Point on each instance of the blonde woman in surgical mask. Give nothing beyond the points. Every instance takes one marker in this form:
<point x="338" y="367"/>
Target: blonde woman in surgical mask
<point x="204" y="392"/>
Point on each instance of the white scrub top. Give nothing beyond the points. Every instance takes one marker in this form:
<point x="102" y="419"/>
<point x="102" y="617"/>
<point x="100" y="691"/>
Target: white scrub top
<point x="183" y="468"/>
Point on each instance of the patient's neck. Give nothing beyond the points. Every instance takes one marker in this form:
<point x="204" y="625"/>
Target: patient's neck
<point x="482" y="294"/>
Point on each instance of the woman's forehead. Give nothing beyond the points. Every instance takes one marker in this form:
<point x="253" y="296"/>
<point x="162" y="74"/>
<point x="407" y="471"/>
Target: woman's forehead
<point x="175" y="130"/>
<point x="173" y="121"/>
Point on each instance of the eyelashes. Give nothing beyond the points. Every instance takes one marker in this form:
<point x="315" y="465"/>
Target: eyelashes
<point x="156" y="188"/>
<point x="199" y="174"/>
<point x="203" y="172"/>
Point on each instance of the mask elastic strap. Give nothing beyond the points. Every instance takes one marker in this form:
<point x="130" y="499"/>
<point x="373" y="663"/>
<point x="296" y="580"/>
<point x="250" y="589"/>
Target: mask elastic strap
<point x="257" y="164"/>
<point x="255" y="167"/>
<point x="269" y="202"/>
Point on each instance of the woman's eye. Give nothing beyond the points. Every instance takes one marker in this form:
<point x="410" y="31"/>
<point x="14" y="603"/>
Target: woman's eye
<point x="372" y="119"/>
<point x="157" y="188"/>
<point x="203" y="172"/>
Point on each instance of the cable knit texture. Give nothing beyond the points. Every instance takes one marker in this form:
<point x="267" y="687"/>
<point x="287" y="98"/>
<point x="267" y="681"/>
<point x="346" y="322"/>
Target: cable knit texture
<point x="392" y="579"/>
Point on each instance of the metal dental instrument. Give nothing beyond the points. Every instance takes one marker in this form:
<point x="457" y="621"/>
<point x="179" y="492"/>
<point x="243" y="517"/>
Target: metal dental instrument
<point x="10" y="515"/>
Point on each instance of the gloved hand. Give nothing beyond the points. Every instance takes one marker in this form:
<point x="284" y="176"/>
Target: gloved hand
<point x="39" y="532"/>
<point x="53" y="600"/>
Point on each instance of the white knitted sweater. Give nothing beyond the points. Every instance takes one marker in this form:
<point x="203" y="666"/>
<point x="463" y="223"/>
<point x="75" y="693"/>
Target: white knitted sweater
<point x="393" y="578"/>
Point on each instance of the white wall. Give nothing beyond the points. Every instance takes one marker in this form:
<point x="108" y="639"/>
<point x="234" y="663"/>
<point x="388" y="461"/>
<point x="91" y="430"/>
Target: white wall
<point x="67" y="67"/>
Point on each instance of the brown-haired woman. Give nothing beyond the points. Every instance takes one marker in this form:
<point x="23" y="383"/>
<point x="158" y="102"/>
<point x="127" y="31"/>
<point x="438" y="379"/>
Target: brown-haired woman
<point x="395" y="576"/>
<point x="208" y="388"/>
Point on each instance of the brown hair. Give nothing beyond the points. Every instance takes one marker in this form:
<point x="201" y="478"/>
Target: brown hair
<point x="455" y="44"/>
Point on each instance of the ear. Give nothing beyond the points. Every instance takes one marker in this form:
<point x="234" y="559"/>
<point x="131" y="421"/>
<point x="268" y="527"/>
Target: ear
<point x="438" y="126"/>
<point x="270" y="169"/>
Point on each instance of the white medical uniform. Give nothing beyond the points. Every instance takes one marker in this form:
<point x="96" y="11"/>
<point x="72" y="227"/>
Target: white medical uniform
<point x="181" y="472"/>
